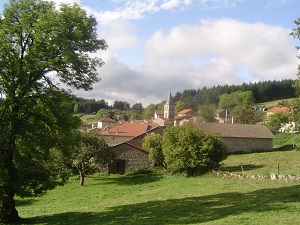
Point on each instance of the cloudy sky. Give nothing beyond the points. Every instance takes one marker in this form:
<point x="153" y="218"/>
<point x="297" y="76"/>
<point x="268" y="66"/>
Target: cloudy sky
<point x="160" y="45"/>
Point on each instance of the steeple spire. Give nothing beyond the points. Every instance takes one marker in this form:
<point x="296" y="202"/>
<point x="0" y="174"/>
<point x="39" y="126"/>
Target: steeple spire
<point x="169" y="109"/>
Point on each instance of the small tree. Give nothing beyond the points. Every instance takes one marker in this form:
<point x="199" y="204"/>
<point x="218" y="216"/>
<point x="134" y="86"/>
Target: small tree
<point x="105" y="113"/>
<point x="244" y="114"/>
<point x="153" y="143"/>
<point x="207" y="112"/>
<point x="91" y="151"/>
<point x="192" y="151"/>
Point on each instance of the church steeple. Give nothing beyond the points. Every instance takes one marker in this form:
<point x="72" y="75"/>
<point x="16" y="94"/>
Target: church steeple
<point x="169" y="109"/>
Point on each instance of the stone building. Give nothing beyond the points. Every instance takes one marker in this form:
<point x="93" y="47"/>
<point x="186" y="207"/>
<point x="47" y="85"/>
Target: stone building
<point x="241" y="137"/>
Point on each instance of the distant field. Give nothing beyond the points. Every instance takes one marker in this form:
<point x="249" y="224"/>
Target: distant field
<point x="160" y="198"/>
<point x="275" y="102"/>
<point x="87" y="118"/>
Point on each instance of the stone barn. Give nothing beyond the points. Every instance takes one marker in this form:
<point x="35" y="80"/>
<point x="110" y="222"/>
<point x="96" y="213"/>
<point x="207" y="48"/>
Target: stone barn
<point x="130" y="157"/>
<point x="241" y="137"/>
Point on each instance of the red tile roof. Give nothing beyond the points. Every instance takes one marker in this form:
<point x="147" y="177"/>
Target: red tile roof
<point x="279" y="109"/>
<point x="128" y="129"/>
<point x="185" y="111"/>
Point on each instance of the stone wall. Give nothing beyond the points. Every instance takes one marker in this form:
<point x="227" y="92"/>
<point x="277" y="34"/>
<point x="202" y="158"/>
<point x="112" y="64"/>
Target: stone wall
<point x="248" y="144"/>
<point x="134" y="158"/>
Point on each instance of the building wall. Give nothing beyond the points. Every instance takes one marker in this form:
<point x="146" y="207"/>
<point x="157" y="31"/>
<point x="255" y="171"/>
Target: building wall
<point x="115" y="140"/>
<point x="134" y="158"/>
<point x="248" y="144"/>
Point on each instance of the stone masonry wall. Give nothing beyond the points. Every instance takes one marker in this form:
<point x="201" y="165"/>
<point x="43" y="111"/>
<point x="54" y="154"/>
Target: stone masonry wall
<point x="134" y="158"/>
<point x="248" y="144"/>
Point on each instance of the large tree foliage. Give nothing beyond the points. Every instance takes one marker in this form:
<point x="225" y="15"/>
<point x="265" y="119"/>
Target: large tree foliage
<point x="207" y="112"/>
<point x="192" y="151"/>
<point x="244" y="114"/>
<point x="40" y="45"/>
<point x="238" y="98"/>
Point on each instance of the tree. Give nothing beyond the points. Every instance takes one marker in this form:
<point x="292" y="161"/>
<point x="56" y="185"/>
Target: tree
<point x="40" y="45"/>
<point x="207" y="112"/>
<point x="244" y="115"/>
<point x="192" y="151"/>
<point x="179" y="105"/>
<point x="105" y="113"/>
<point x="91" y="151"/>
<point x="153" y="143"/>
<point x="137" y="107"/>
<point x="149" y="111"/>
<point x="277" y="119"/>
<point x="229" y="101"/>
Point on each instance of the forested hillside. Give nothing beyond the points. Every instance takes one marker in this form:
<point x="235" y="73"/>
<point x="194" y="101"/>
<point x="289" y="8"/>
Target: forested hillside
<point x="192" y="98"/>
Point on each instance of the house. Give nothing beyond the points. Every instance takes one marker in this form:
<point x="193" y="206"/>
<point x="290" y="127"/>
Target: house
<point x="104" y="123"/>
<point x="130" y="157"/>
<point x="185" y="112"/>
<point x="158" y="114"/>
<point x="278" y="109"/>
<point x="125" y="131"/>
<point x="164" y="122"/>
<point x="241" y="137"/>
<point x="221" y="115"/>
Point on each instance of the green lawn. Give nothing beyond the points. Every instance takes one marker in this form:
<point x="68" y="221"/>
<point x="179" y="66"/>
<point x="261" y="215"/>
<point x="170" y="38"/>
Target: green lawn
<point x="264" y="163"/>
<point x="156" y="198"/>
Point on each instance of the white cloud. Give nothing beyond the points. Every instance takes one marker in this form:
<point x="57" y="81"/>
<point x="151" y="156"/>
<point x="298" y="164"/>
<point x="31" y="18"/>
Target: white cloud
<point x="266" y="50"/>
<point x="119" y="36"/>
<point x="214" y="52"/>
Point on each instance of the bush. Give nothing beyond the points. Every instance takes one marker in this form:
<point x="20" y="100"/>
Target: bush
<point x="191" y="151"/>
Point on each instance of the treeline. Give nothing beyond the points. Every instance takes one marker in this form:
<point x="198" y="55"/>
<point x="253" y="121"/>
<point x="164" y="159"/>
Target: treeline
<point x="92" y="106"/>
<point x="191" y="98"/>
<point x="262" y="92"/>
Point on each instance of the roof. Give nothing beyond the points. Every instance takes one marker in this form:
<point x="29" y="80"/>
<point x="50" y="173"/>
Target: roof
<point x="237" y="130"/>
<point x="128" y="129"/>
<point x="184" y="111"/>
<point x="109" y="120"/>
<point x="279" y="109"/>
<point x="133" y="143"/>
<point x="159" y="112"/>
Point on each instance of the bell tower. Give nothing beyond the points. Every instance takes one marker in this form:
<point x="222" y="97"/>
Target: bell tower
<point x="169" y="109"/>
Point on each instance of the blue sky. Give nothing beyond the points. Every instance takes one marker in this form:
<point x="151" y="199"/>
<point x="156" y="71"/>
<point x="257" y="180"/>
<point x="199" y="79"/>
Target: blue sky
<point x="160" y="45"/>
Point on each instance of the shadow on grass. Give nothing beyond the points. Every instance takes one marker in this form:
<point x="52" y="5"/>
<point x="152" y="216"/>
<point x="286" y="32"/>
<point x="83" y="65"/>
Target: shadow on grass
<point x="190" y="210"/>
<point x="24" y="202"/>
<point x="286" y="148"/>
<point x="135" y="178"/>
<point x="246" y="167"/>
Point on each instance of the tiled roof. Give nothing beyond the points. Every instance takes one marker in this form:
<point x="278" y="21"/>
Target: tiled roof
<point x="236" y="130"/>
<point x="278" y="109"/>
<point x="185" y="111"/>
<point x="159" y="112"/>
<point x="128" y="129"/>
<point x="133" y="143"/>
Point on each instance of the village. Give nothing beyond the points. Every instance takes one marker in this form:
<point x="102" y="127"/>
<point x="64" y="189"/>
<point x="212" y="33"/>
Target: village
<point x="125" y="138"/>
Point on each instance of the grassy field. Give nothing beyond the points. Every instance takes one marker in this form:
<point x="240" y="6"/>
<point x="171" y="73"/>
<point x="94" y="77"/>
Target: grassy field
<point x="160" y="198"/>
<point x="271" y="104"/>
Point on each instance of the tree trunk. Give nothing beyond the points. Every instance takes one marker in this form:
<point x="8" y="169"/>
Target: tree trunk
<point x="81" y="172"/>
<point x="8" y="212"/>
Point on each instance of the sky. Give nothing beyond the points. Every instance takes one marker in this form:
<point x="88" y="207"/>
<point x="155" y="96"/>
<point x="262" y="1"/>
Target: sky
<point x="157" y="46"/>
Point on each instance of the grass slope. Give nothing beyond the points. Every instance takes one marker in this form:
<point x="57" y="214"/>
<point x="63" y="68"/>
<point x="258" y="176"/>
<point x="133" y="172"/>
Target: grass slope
<point x="155" y="198"/>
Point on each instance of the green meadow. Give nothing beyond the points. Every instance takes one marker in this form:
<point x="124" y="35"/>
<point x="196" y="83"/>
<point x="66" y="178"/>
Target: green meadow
<point x="161" y="198"/>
